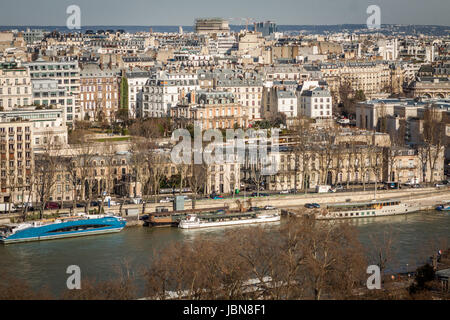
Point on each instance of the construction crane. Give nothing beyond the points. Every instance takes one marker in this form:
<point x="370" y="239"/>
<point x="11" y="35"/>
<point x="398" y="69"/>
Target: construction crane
<point x="244" y="20"/>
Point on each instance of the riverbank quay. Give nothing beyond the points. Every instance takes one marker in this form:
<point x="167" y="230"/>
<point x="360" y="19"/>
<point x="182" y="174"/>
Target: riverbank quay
<point x="426" y="198"/>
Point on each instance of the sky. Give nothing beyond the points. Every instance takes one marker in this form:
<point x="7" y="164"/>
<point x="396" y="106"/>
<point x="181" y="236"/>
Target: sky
<point x="184" y="12"/>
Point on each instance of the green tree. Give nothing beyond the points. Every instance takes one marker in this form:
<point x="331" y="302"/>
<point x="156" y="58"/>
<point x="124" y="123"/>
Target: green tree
<point x="124" y="93"/>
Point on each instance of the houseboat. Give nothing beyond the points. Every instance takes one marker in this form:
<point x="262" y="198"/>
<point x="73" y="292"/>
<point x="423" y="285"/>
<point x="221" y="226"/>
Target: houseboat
<point x="365" y="209"/>
<point x="62" y="227"/>
<point x="194" y="221"/>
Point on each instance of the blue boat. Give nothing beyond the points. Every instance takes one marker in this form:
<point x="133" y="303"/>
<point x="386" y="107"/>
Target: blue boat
<point x="64" y="227"/>
<point x="443" y="207"/>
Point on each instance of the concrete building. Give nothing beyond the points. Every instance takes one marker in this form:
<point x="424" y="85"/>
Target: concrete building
<point x="48" y="126"/>
<point x="48" y="93"/>
<point x="211" y="25"/>
<point x="17" y="160"/>
<point x="67" y="74"/>
<point x="266" y="28"/>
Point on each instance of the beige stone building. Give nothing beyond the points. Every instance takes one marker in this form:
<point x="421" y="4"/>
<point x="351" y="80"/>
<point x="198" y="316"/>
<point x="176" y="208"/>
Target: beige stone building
<point x="99" y="92"/>
<point x="210" y="110"/>
<point x="15" y="86"/>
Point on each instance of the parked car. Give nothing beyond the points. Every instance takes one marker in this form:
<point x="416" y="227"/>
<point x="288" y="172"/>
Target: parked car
<point x="136" y="200"/>
<point x="220" y="211"/>
<point x="416" y="186"/>
<point x="52" y="205"/>
<point x="284" y="191"/>
<point x="20" y="206"/>
<point x="439" y="185"/>
<point x="253" y="209"/>
<point x="309" y="205"/>
<point x="5" y="207"/>
<point x="261" y="194"/>
<point x="338" y="187"/>
<point x="269" y="208"/>
<point x="315" y="205"/>
<point x="332" y="190"/>
<point x="216" y="197"/>
<point x="165" y="200"/>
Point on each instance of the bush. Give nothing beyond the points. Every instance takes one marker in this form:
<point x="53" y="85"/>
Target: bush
<point x="424" y="274"/>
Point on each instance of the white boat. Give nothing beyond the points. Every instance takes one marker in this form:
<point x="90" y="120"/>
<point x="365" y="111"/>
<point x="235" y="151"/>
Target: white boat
<point x="193" y="221"/>
<point x="366" y="209"/>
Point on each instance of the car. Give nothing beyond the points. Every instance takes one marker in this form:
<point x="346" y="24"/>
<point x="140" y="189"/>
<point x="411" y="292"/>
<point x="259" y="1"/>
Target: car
<point x="52" y="205"/>
<point x="27" y="205"/>
<point x="135" y="200"/>
<point x="217" y="197"/>
<point x="309" y="205"/>
<point x="269" y="208"/>
<point x="220" y="211"/>
<point x="261" y="194"/>
<point x="284" y="191"/>
<point x="253" y="209"/>
<point x="439" y="185"/>
<point x="166" y="200"/>
<point x="332" y="190"/>
<point x="338" y="187"/>
<point x="315" y="205"/>
<point x="416" y="186"/>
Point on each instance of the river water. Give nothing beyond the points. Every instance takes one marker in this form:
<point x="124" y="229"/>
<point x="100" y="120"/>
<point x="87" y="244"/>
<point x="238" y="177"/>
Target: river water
<point x="44" y="263"/>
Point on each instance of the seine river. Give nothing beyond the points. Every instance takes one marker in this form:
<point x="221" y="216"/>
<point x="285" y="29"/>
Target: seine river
<point x="44" y="263"/>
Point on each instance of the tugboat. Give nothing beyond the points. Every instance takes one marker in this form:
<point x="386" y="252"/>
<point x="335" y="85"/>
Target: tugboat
<point x="62" y="227"/>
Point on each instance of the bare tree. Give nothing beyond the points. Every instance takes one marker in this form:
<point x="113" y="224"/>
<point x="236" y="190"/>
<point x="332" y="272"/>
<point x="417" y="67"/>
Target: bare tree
<point x="197" y="180"/>
<point x="381" y="248"/>
<point x="44" y="178"/>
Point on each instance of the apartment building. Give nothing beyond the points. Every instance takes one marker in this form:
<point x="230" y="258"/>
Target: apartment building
<point x="136" y="78"/>
<point x="164" y="92"/>
<point x="17" y="160"/>
<point x="15" y="86"/>
<point x="210" y="110"/>
<point x="48" y="126"/>
<point x="48" y="93"/>
<point x="316" y="103"/>
<point x="67" y="75"/>
<point x="99" y="92"/>
<point x="370" y="77"/>
<point x="248" y="92"/>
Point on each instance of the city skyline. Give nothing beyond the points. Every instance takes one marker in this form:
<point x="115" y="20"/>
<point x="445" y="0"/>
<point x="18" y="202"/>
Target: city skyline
<point x="287" y="12"/>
